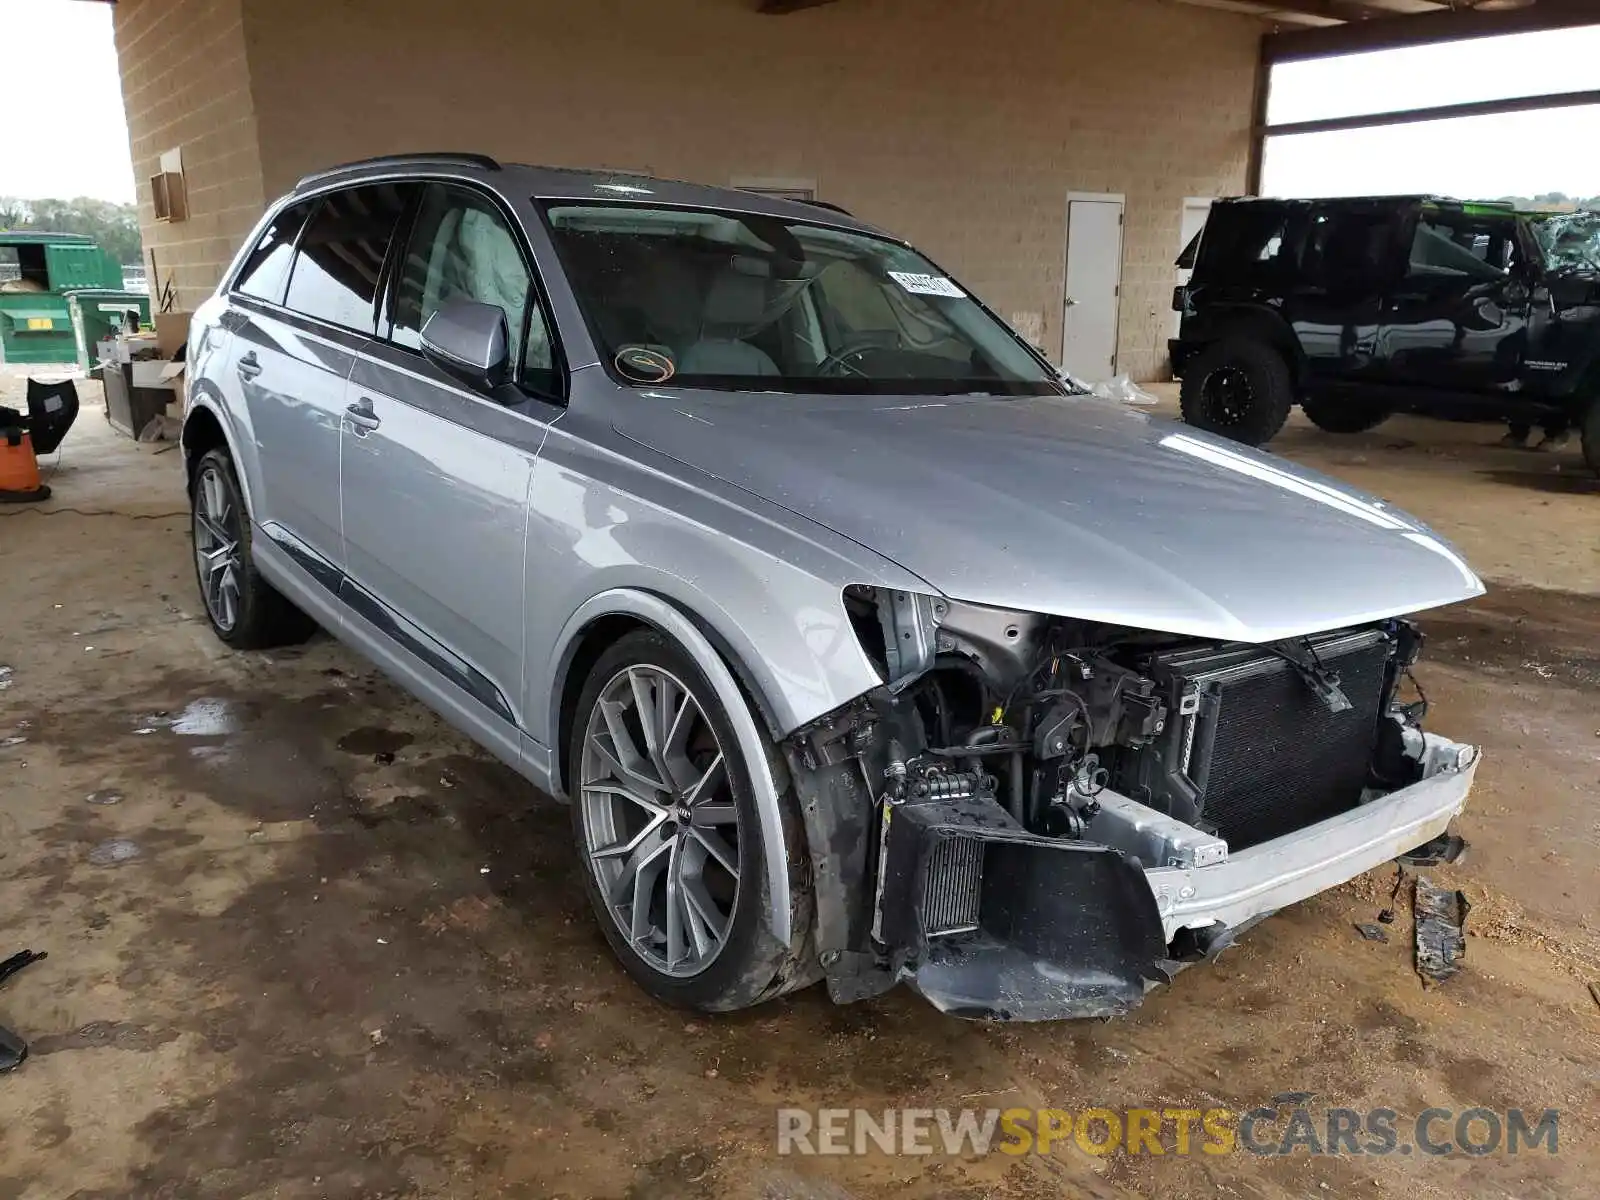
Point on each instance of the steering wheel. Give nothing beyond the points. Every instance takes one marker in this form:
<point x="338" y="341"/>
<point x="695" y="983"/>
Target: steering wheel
<point x="839" y="359"/>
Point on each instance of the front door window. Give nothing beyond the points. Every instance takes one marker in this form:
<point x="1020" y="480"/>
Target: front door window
<point x="462" y="248"/>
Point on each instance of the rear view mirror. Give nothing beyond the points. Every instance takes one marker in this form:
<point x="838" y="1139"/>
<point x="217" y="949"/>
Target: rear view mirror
<point x="469" y="341"/>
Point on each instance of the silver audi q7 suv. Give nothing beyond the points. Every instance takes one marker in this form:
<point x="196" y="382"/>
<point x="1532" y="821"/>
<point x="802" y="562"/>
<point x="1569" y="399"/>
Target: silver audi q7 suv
<point x="862" y="645"/>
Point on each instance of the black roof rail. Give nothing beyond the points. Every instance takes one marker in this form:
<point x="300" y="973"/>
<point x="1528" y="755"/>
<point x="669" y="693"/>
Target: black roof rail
<point x="442" y="158"/>
<point x="830" y="206"/>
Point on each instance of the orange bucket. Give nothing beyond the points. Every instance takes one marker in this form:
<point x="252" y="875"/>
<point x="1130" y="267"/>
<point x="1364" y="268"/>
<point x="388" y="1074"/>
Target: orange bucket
<point x="19" y="469"/>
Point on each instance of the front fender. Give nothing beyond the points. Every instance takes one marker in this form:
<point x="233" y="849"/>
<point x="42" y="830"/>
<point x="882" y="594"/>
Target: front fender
<point x="204" y="399"/>
<point x="766" y="587"/>
<point x="659" y="613"/>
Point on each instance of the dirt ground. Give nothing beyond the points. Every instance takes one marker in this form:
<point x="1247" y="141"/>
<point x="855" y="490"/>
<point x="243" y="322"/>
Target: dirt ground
<point x="349" y="956"/>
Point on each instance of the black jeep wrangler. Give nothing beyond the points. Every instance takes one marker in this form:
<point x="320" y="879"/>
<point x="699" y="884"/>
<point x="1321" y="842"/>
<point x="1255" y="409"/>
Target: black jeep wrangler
<point x="1355" y="309"/>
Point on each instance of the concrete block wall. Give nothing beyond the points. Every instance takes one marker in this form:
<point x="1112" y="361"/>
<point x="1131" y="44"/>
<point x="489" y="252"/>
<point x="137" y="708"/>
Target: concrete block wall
<point x="961" y="124"/>
<point x="186" y="86"/>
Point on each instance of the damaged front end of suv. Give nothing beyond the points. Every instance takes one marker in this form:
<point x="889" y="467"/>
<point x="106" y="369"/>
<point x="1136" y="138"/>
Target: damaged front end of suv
<point x="1055" y="815"/>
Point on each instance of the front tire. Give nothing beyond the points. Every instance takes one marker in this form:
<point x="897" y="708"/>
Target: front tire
<point x="665" y="820"/>
<point x="1345" y="416"/>
<point x="1240" y="388"/>
<point x="245" y="611"/>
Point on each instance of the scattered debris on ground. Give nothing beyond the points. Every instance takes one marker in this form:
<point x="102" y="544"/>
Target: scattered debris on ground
<point x="16" y="962"/>
<point x="114" y="852"/>
<point x="1444" y="849"/>
<point x="12" y="1048"/>
<point x="1441" y="915"/>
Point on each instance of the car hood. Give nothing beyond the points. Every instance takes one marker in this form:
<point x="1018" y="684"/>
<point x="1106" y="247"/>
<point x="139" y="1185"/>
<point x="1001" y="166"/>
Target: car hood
<point x="1070" y="506"/>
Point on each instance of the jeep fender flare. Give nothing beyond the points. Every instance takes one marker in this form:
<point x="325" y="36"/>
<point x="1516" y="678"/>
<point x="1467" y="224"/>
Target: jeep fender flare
<point x="1258" y="322"/>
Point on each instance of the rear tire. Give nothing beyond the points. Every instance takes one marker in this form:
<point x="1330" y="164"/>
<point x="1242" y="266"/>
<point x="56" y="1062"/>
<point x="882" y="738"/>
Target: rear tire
<point x="245" y="611"/>
<point x="1591" y="436"/>
<point x="1239" y="388"/>
<point x="1345" y="416"/>
<point x="656" y="859"/>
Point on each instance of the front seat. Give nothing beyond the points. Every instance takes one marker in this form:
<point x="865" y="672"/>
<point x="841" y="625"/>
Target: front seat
<point x="735" y="303"/>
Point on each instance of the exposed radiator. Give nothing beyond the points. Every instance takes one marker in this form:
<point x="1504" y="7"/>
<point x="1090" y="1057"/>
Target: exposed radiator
<point x="1266" y="755"/>
<point x="953" y="886"/>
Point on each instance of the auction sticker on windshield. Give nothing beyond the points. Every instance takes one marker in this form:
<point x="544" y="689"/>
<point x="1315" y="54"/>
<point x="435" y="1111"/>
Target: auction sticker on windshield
<point x="926" y="285"/>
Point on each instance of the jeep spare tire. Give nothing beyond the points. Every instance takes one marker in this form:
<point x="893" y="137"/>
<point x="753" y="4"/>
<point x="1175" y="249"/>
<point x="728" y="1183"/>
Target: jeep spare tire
<point x="1239" y="388"/>
<point x="1344" y="415"/>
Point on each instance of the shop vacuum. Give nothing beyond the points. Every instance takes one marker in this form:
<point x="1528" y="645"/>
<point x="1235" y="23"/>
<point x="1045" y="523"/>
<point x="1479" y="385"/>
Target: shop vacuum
<point x="52" y="408"/>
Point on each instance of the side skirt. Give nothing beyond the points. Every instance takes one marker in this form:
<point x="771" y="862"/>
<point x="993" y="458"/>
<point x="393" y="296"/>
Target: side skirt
<point x="431" y="672"/>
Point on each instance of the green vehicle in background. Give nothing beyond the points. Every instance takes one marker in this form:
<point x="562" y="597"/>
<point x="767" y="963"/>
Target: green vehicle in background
<point x="36" y="310"/>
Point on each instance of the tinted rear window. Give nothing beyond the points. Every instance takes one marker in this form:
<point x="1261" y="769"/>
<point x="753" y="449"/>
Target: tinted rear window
<point x="340" y="257"/>
<point x="1350" y="252"/>
<point x="1244" y="241"/>
<point x="267" y="267"/>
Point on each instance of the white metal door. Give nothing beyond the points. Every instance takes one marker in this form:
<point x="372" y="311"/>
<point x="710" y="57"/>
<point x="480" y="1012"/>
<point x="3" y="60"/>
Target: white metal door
<point x="1094" y="284"/>
<point x="1195" y="211"/>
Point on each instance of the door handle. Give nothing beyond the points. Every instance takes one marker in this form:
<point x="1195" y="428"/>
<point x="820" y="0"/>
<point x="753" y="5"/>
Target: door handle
<point x="361" y="416"/>
<point x="1071" y="303"/>
<point x="249" y="366"/>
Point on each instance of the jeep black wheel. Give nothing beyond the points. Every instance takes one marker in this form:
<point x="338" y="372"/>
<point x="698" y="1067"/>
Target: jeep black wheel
<point x="1344" y="415"/>
<point x="1239" y="388"/>
<point x="1591" y="436"/>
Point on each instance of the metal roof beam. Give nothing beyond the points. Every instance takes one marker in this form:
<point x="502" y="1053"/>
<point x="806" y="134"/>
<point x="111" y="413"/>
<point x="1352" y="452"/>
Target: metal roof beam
<point x="1441" y="112"/>
<point x="1333" y="10"/>
<point x="1419" y="29"/>
<point x="781" y="8"/>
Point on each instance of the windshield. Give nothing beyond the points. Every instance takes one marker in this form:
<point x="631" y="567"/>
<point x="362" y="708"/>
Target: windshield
<point x="742" y="302"/>
<point x="1570" y="241"/>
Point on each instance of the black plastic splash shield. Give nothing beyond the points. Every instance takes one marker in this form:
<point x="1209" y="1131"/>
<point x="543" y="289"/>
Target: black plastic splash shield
<point x="1064" y="929"/>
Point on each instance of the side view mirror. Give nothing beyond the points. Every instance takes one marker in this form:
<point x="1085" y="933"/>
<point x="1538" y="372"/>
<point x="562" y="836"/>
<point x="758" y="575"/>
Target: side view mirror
<point x="468" y="340"/>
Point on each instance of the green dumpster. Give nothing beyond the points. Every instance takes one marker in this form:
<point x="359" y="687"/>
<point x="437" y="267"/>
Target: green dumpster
<point x="98" y="313"/>
<point x="35" y="320"/>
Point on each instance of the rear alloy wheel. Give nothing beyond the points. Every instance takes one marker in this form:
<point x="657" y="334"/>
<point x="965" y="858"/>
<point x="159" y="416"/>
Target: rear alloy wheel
<point x="245" y="611"/>
<point x="218" y="541"/>
<point x="665" y="821"/>
<point x="1239" y="388"/>
<point x="1344" y="416"/>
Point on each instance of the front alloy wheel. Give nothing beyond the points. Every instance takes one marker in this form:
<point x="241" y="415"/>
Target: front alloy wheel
<point x="661" y="829"/>
<point x="667" y="828"/>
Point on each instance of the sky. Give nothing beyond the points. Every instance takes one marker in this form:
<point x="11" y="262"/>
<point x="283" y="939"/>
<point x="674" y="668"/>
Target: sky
<point x="1519" y="154"/>
<point x="63" y="133"/>
<point x="75" y="142"/>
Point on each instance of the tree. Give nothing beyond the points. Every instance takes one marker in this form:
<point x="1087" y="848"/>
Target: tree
<point x="114" y="226"/>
